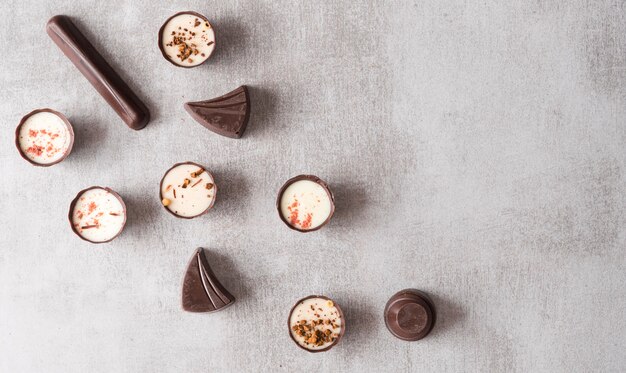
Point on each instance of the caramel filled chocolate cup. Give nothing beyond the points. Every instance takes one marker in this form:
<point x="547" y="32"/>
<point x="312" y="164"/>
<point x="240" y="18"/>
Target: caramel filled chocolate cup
<point x="97" y="214"/>
<point x="44" y="137"/>
<point x="187" y="190"/>
<point x="410" y="315"/>
<point x="305" y="203"/>
<point x="187" y="39"/>
<point x="305" y="328"/>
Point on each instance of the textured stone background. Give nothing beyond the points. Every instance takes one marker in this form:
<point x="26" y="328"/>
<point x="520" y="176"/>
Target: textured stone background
<point x="477" y="150"/>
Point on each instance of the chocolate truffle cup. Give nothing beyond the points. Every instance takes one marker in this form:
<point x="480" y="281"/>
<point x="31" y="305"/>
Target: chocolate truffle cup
<point x="314" y="179"/>
<point x="67" y="124"/>
<point x="341" y="333"/>
<point x="161" y="38"/>
<point x="214" y="190"/>
<point x="405" y="298"/>
<point x="75" y="200"/>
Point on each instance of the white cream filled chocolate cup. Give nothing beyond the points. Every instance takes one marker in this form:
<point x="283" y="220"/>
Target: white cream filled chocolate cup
<point x="187" y="190"/>
<point x="305" y="203"/>
<point x="97" y="214"/>
<point x="316" y="323"/>
<point x="44" y="137"/>
<point x="187" y="39"/>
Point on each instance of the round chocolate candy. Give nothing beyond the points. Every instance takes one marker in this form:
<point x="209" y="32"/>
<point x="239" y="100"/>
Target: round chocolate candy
<point x="44" y="137"/>
<point x="410" y="315"/>
<point x="187" y="190"/>
<point x="316" y="323"/>
<point x="305" y="203"/>
<point x="187" y="39"/>
<point x="97" y="214"/>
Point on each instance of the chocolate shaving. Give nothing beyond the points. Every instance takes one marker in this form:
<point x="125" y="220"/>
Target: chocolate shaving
<point x="209" y="186"/>
<point x="114" y="213"/>
<point x="197" y="173"/>
<point x="88" y="226"/>
<point x="174" y="193"/>
<point x="196" y="183"/>
<point x="186" y="182"/>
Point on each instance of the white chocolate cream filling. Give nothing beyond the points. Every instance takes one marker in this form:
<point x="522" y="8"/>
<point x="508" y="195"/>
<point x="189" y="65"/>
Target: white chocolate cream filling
<point x="188" y="190"/>
<point x="315" y="323"/>
<point x="305" y="204"/>
<point x="44" y="138"/>
<point x="187" y="40"/>
<point x="98" y="215"/>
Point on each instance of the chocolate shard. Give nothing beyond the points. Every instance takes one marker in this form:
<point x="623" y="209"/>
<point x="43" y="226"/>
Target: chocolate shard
<point x="225" y="115"/>
<point x="202" y="292"/>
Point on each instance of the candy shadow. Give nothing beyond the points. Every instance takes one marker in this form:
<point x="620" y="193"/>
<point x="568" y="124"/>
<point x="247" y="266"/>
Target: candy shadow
<point x="350" y="203"/>
<point x="141" y="212"/>
<point x="449" y="314"/>
<point x="227" y="273"/>
<point x="232" y="194"/>
<point x="87" y="135"/>
<point x="128" y="78"/>
<point x="361" y="321"/>
<point x="263" y="102"/>
<point x="231" y="38"/>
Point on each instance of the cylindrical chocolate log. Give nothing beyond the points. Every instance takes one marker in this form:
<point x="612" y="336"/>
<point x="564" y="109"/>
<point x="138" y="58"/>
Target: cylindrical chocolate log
<point x="99" y="73"/>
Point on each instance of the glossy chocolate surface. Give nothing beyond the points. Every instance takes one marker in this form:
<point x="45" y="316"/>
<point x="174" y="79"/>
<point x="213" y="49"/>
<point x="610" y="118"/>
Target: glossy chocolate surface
<point x="226" y="115"/>
<point x="98" y="72"/>
<point x="410" y="315"/>
<point x="202" y="291"/>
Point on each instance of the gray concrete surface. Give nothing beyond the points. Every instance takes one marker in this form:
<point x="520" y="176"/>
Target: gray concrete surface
<point x="477" y="150"/>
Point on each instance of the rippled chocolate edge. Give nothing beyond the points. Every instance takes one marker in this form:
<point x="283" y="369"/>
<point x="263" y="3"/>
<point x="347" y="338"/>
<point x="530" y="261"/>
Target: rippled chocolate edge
<point x="67" y="124"/>
<point x="341" y="333"/>
<point x="214" y="191"/>
<point x="202" y="291"/>
<point x="317" y="180"/>
<point x="160" y="38"/>
<point x="418" y="297"/>
<point x="227" y="115"/>
<point x="75" y="200"/>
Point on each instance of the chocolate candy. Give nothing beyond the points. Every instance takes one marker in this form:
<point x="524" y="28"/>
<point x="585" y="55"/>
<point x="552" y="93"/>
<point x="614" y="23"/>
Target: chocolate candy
<point x="99" y="73"/>
<point x="305" y="203"/>
<point x="44" y="137"/>
<point x="202" y="292"/>
<point x="226" y="115"/>
<point x="410" y="315"/>
<point x="188" y="190"/>
<point x="187" y="39"/>
<point x="316" y="323"/>
<point x="97" y="214"/>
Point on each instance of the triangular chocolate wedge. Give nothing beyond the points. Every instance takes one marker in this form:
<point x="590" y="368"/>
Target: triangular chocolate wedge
<point x="202" y="292"/>
<point x="225" y="115"/>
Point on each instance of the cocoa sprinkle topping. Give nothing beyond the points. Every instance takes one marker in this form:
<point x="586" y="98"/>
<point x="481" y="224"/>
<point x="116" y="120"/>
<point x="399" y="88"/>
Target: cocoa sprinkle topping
<point x="312" y="333"/>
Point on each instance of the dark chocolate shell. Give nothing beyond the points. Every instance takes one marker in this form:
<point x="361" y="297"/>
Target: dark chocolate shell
<point x="225" y="115"/>
<point x="202" y="292"/>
